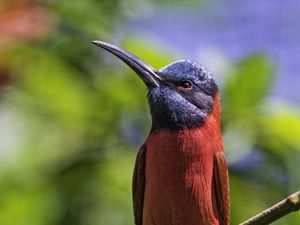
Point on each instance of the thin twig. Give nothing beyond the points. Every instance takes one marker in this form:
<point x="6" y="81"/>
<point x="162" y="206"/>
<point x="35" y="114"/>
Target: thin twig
<point x="286" y="206"/>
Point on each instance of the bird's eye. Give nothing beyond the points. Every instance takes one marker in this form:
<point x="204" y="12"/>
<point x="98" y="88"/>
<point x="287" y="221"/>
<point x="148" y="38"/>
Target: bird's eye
<point x="187" y="85"/>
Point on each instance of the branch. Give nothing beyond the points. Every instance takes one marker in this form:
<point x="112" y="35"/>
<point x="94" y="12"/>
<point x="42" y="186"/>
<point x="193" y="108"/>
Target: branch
<point x="286" y="206"/>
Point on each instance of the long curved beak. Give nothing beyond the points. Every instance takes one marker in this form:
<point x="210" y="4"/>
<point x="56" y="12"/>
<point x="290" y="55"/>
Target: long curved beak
<point x="146" y="72"/>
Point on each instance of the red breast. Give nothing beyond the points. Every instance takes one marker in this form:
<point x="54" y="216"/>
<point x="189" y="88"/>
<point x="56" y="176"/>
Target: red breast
<point x="179" y="174"/>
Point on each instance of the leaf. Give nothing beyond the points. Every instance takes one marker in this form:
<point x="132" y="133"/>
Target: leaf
<point x="281" y="130"/>
<point x="248" y="84"/>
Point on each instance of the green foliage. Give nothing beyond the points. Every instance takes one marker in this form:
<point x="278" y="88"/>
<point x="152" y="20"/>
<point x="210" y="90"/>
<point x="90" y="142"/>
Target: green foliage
<point x="247" y="86"/>
<point x="284" y="129"/>
<point x="252" y="120"/>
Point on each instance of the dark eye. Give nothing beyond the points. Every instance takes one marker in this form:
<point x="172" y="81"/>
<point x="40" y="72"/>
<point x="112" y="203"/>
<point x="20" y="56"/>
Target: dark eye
<point x="186" y="85"/>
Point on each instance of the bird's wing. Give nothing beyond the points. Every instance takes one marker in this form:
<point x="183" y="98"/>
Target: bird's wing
<point x="221" y="188"/>
<point x="138" y="185"/>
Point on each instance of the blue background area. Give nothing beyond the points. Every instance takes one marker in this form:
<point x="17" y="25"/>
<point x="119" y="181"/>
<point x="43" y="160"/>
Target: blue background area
<point x="236" y="28"/>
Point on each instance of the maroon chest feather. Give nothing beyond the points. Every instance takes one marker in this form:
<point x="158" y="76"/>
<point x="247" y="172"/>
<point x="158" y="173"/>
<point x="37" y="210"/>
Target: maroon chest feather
<point x="179" y="176"/>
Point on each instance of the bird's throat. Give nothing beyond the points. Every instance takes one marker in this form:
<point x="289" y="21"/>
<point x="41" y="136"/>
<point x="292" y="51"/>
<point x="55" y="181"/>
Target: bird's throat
<point x="171" y="111"/>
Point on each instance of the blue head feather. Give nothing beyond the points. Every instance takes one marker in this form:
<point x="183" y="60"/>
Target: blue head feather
<point x="175" y="107"/>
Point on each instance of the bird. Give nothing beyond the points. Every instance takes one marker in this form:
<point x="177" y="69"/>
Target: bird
<point x="180" y="175"/>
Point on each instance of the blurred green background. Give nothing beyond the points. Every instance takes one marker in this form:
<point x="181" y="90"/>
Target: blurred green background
<point x="72" y="117"/>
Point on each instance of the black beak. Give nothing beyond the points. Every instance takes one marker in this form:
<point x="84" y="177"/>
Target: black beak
<point x="146" y="72"/>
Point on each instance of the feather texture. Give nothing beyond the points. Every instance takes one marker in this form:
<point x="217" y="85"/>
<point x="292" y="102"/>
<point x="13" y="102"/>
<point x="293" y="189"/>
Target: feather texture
<point x="138" y="185"/>
<point x="181" y="177"/>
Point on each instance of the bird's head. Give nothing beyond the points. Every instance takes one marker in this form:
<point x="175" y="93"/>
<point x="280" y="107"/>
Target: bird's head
<point x="180" y="94"/>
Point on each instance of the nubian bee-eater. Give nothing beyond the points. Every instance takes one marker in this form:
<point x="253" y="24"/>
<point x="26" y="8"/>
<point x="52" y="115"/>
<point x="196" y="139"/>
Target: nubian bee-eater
<point x="180" y="175"/>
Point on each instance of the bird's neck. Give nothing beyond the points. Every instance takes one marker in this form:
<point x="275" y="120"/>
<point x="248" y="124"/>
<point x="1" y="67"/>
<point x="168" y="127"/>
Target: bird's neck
<point x="206" y="134"/>
<point x="205" y="139"/>
<point x="179" y="117"/>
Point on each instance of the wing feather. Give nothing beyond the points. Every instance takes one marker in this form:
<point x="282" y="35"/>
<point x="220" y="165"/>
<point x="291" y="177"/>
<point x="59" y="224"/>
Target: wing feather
<point x="138" y="185"/>
<point x="221" y="189"/>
